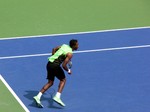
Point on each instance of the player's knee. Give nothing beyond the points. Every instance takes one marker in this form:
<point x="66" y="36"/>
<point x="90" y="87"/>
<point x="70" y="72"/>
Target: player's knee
<point x="50" y="82"/>
<point x="63" y="80"/>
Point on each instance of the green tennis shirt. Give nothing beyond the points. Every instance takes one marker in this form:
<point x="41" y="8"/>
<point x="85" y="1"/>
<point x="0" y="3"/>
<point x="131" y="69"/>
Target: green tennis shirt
<point x="60" y="55"/>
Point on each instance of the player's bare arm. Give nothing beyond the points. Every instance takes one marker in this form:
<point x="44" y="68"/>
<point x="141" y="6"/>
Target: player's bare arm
<point x="55" y="49"/>
<point x="68" y="58"/>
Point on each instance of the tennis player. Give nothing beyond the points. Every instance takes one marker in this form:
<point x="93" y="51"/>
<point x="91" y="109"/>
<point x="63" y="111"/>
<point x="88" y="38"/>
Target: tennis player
<point x="56" y="65"/>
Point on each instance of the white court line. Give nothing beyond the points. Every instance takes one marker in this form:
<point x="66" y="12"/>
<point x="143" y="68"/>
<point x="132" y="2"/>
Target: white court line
<point x="84" y="51"/>
<point x="14" y="94"/>
<point x="41" y="36"/>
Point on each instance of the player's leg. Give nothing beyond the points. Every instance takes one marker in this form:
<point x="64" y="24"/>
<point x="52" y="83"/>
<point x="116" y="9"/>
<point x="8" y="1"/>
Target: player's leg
<point x="46" y="86"/>
<point x="62" y="78"/>
<point x="50" y="77"/>
<point x="61" y="85"/>
<point x="38" y="97"/>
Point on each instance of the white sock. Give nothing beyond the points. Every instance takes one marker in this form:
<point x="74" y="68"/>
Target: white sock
<point x="39" y="95"/>
<point x="58" y="95"/>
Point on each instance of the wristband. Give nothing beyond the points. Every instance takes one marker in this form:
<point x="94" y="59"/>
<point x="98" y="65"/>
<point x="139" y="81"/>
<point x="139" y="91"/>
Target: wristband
<point x="69" y="70"/>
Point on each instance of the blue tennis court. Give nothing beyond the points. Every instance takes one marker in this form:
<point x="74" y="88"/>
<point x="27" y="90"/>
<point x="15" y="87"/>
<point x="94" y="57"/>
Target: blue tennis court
<point x="111" y="71"/>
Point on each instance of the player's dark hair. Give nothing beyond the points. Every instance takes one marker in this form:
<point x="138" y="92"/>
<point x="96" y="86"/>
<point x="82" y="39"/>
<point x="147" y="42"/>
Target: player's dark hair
<point x="73" y="42"/>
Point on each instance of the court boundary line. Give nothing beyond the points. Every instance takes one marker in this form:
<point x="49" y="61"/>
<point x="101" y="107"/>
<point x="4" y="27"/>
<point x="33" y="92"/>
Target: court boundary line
<point x="75" y="33"/>
<point x="75" y="52"/>
<point x="14" y="94"/>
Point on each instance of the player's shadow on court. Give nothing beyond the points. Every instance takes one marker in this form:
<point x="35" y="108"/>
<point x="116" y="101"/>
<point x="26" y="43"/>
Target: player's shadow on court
<point x="47" y="97"/>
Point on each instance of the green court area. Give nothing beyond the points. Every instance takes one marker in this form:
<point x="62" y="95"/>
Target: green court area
<point x="8" y="103"/>
<point x="41" y="17"/>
